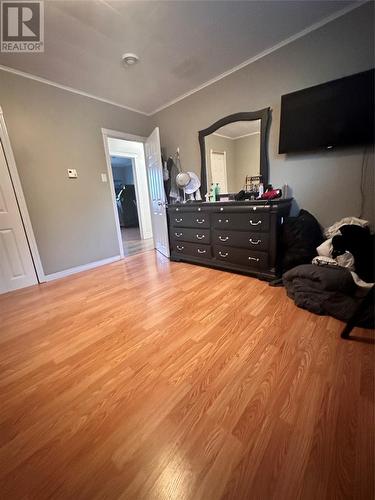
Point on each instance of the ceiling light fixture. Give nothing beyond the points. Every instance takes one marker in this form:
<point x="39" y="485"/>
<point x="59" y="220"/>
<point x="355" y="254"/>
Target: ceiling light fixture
<point x="130" y="59"/>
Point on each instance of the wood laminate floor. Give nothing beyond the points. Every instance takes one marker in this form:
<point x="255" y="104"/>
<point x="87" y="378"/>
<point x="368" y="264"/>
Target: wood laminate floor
<point x="132" y="242"/>
<point x="158" y="380"/>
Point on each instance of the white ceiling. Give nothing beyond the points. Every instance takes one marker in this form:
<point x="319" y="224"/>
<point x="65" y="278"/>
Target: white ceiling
<point x="236" y="130"/>
<point x="181" y="44"/>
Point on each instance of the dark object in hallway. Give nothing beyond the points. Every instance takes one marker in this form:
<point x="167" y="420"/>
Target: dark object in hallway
<point x="128" y="203"/>
<point x="301" y="236"/>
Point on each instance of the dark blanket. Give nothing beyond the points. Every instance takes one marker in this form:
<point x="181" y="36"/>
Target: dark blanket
<point x="327" y="291"/>
<point x="300" y="237"/>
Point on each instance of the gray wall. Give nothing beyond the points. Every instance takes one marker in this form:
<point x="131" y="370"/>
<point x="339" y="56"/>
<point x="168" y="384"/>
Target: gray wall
<point x="247" y="158"/>
<point x="327" y="183"/>
<point x="242" y="158"/>
<point x="52" y="130"/>
<point x="221" y="144"/>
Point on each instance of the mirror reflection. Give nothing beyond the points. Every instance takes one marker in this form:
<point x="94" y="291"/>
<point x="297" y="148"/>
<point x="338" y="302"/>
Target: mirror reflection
<point x="233" y="156"/>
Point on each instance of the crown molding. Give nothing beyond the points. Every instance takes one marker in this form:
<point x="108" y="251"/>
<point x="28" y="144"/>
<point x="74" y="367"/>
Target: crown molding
<point x="235" y="138"/>
<point x="39" y="79"/>
<point x="265" y="53"/>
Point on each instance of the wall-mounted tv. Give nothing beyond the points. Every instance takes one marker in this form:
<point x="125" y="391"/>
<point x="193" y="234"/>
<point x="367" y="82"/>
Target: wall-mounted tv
<point x="335" y="114"/>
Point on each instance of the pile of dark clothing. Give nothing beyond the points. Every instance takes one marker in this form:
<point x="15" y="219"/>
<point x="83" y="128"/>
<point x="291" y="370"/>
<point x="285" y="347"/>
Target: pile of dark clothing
<point x="329" y="274"/>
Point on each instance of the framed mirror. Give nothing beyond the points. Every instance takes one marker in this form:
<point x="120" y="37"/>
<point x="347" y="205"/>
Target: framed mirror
<point x="234" y="150"/>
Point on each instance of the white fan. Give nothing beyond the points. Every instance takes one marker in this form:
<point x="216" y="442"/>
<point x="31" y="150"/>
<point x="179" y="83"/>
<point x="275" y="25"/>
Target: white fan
<point x="182" y="180"/>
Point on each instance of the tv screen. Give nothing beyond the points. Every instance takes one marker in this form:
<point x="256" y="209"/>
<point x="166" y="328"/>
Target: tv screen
<point x="336" y="114"/>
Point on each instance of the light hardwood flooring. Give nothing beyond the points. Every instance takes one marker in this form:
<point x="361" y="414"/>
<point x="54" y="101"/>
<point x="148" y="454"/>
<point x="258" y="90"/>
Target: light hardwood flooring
<point x="158" y="380"/>
<point x="132" y="242"/>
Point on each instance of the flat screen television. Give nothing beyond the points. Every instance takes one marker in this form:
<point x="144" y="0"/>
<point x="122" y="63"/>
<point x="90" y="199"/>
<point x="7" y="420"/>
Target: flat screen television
<point x="335" y="114"/>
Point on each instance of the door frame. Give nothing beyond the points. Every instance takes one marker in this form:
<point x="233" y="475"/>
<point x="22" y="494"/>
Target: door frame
<point x="20" y="198"/>
<point x="115" y="134"/>
<point x="224" y="153"/>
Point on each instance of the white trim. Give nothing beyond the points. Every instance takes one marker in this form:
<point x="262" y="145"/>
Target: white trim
<point x="113" y="194"/>
<point x="79" y="269"/>
<point x="39" y="79"/>
<point x="4" y="137"/>
<point x="115" y="134"/>
<point x="224" y="153"/>
<point x="266" y="52"/>
<point x="300" y="34"/>
<point x="235" y="138"/>
<point x="133" y="157"/>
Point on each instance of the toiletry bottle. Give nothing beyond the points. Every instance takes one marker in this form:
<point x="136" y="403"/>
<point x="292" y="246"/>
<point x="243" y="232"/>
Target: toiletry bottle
<point x="217" y="192"/>
<point x="261" y="190"/>
<point x="212" y="192"/>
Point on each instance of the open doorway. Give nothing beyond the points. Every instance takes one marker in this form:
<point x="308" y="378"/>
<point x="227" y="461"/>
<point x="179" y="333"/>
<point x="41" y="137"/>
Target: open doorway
<point x="127" y="205"/>
<point x="128" y="181"/>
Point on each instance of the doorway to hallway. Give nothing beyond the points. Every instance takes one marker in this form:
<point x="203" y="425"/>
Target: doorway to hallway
<point x="123" y="174"/>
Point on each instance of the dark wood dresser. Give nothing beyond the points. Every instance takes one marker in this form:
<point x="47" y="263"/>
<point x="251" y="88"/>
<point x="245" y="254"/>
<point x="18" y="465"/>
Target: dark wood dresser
<point x="237" y="236"/>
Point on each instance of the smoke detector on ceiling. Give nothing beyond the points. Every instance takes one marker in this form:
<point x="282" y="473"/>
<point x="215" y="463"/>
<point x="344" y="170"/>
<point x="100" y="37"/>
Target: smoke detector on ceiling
<point x="130" y="59"/>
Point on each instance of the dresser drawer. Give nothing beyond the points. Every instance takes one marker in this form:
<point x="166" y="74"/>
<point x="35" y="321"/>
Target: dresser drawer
<point x="254" y="241"/>
<point x="242" y="221"/>
<point x="194" y="235"/>
<point x="193" y="249"/>
<point x="241" y="256"/>
<point x="190" y="219"/>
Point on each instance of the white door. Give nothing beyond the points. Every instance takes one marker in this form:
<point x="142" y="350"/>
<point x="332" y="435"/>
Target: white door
<point x="219" y="170"/>
<point x="16" y="265"/>
<point x="157" y="193"/>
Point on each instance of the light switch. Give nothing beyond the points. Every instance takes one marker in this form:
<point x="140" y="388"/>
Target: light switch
<point x="72" y="173"/>
<point x="104" y="177"/>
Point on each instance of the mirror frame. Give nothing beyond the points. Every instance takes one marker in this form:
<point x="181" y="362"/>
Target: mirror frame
<point x="264" y="115"/>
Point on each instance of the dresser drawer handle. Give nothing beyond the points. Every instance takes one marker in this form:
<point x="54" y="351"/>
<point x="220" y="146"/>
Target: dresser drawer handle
<point x="178" y="234"/>
<point x="178" y="220"/>
<point x="200" y="236"/>
<point x="201" y="251"/>
<point x="200" y="221"/>
<point x="226" y="220"/>
<point x="253" y="242"/>
<point x="223" y="254"/>
<point x="223" y="238"/>
<point x="255" y="223"/>
<point x="253" y="258"/>
<point x="180" y="248"/>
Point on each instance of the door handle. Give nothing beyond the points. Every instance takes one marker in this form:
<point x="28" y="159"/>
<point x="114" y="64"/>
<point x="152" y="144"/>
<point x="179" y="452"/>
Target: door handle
<point x="179" y="248"/>
<point x="253" y="258"/>
<point x="253" y="242"/>
<point x="225" y="238"/>
<point x="200" y="236"/>
<point x="200" y="221"/>
<point x="201" y="251"/>
<point x="255" y="223"/>
<point x="223" y="254"/>
<point x="178" y="234"/>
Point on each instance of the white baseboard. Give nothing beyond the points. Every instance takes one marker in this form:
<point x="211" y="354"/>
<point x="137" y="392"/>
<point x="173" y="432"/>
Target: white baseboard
<point x="78" y="269"/>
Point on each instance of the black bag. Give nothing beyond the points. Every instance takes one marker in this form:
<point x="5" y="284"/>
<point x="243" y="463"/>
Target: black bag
<point x="301" y="236"/>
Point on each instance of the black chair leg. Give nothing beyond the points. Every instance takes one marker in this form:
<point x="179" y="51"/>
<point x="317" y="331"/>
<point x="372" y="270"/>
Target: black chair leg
<point x="368" y="300"/>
